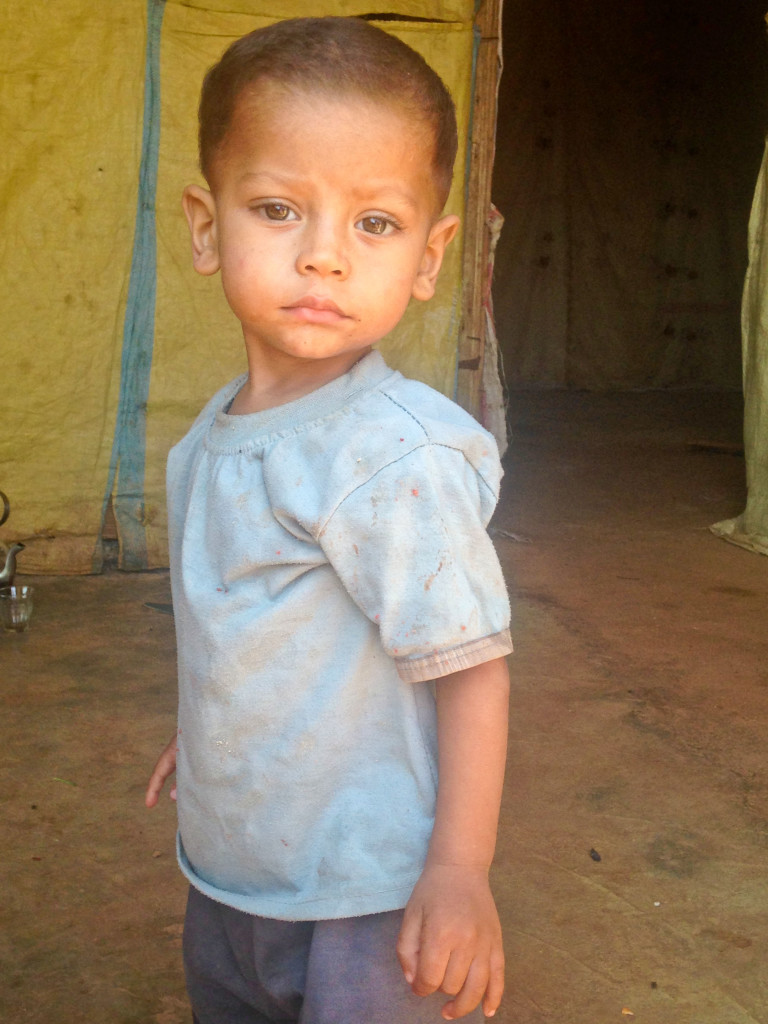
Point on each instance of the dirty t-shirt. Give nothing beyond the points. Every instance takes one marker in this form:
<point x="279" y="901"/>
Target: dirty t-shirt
<point x="329" y="558"/>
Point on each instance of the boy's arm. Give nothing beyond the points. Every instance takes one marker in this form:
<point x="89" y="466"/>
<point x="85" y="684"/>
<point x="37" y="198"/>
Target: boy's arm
<point x="451" y="936"/>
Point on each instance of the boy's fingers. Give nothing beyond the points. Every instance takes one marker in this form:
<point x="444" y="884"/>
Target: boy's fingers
<point x="429" y="977"/>
<point x="153" y="789"/>
<point x="495" y="988"/>
<point x="408" y="943"/>
<point x="472" y="992"/>
<point x="456" y="973"/>
<point x="165" y="766"/>
<point x="423" y="962"/>
<point x="431" y="967"/>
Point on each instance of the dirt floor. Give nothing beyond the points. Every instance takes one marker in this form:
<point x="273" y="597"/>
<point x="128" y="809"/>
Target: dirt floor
<point x="632" y="865"/>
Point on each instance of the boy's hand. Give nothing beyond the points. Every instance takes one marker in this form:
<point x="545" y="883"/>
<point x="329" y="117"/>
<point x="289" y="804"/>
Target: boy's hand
<point x="451" y="940"/>
<point x="166" y="765"/>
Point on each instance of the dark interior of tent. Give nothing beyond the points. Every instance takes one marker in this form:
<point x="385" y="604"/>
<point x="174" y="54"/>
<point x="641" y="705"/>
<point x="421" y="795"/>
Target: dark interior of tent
<point x="629" y="141"/>
<point x="630" y="873"/>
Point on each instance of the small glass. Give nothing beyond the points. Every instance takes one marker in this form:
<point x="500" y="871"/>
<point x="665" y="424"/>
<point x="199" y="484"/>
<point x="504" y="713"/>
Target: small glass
<point x="16" y="607"/>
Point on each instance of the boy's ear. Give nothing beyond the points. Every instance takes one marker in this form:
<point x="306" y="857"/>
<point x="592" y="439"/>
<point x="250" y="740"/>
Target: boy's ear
<point x="441" y="234"/>
<point x="200" y="210"/>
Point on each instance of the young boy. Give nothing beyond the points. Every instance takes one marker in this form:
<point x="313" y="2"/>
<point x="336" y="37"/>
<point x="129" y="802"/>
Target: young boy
<point x="342" y="621"/>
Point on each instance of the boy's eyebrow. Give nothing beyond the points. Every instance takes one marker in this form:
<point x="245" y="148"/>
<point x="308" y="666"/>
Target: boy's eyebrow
<point x="389" y="192"/>
<point x="379" y="190"/>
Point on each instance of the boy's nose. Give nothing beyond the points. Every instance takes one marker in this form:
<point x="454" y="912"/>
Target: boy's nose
<point x="323" y="254"/>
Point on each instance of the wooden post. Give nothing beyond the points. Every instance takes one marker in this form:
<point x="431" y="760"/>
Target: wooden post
<point x="476" y="235"/>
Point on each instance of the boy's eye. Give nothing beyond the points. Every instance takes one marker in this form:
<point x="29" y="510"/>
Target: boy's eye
<point x="376" y="225"/>
<point x="277" y="211"/>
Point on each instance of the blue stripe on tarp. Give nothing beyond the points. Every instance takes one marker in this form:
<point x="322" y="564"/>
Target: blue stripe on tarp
<point x="128" y="458"/>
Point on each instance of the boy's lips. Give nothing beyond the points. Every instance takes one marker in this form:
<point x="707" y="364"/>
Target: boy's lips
<point x="316" y="310"/>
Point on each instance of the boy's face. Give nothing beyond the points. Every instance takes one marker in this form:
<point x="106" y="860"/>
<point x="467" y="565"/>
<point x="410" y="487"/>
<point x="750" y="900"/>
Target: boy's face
<point x="322" y="220"/>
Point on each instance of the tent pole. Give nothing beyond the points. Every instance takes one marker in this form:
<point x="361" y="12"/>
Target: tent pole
<point x="476" y="233"/>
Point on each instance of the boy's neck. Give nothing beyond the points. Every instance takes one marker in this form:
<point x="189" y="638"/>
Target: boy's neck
<point x="276" y="382"/>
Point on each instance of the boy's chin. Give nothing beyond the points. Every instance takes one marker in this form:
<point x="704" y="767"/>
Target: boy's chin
<point x="325" y="355"/>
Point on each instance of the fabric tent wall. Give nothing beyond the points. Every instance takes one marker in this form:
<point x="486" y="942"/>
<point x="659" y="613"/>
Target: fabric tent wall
<point x="750" y="529"/>
<point x="628" y="144"/>
<point x="111" y="342"/>
<point x="71" y="124"/>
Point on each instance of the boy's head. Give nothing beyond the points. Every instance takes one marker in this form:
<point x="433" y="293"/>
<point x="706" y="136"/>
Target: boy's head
<point x="333" y="57"/>
<point x="328" y="147"/>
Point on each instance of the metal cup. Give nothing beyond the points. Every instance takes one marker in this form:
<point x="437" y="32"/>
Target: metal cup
<point x="16" y="607"/>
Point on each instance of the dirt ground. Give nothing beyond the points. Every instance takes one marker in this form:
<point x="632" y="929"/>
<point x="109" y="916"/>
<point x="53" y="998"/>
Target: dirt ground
<point x="632" y="864"/>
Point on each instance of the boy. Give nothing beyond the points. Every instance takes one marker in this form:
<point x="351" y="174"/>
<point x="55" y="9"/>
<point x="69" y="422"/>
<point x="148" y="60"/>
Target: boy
<point x="342" y="621"/>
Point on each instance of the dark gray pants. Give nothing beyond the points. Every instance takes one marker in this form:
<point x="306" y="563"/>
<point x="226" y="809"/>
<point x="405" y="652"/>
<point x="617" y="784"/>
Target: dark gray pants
<point x="243" y="969"/>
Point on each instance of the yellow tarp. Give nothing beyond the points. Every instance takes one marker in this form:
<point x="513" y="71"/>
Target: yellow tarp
<point x="73" y="125"/>
<point x="269" y="10"/>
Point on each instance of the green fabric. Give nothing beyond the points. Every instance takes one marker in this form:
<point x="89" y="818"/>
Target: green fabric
<point x="750" y="529"/>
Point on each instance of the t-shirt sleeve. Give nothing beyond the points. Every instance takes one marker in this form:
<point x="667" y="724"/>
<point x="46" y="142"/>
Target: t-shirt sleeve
<point x="411" y="547"/>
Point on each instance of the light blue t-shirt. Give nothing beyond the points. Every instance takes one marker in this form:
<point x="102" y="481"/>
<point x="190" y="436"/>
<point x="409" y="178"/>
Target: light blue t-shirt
<point x="329" y="558"/>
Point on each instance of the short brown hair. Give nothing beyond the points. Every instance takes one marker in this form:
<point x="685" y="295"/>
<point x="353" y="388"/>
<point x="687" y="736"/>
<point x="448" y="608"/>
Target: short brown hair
<point x="343" y="55"/>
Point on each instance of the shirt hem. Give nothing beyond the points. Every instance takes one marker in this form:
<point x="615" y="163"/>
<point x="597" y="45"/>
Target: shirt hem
<point x="320" y="908"/>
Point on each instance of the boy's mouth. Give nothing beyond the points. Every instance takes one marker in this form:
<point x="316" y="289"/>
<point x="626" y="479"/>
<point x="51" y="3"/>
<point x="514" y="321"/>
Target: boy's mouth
<point x="315" y="309"/>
